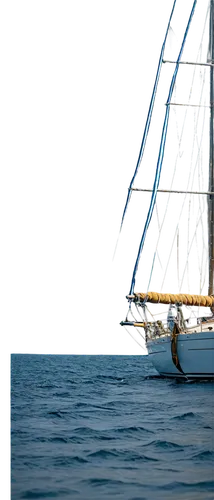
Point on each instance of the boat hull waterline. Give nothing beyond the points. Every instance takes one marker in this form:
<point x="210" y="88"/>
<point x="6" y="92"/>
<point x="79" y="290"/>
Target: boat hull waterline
<point x="195" y="353"/>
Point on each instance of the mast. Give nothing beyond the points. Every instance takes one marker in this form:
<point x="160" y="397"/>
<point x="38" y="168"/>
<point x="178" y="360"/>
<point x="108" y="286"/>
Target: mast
<point x="178" y="263"/>
<point x="211" y="159"/>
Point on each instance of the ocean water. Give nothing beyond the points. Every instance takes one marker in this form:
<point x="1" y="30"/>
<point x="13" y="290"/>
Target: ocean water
<point x="102" y="427"/>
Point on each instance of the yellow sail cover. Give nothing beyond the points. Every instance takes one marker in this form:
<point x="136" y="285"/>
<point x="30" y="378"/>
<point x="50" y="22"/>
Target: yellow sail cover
<point x="170" y="298"/>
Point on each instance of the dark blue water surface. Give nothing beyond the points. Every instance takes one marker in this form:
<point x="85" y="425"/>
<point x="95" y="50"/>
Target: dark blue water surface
<point x="100" y="427"/>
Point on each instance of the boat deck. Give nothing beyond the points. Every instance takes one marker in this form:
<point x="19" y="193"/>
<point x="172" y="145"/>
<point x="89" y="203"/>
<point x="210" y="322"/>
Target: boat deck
<point x="202" y="327"/>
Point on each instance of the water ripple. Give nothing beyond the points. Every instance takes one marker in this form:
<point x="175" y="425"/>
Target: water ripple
<point x="92" y="427"/>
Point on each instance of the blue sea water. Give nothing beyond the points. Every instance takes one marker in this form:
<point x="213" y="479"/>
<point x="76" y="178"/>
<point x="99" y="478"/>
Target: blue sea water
<point x="101" y="427"/>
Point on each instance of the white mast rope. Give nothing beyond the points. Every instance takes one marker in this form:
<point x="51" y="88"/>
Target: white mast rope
<point x="144" y="348"/>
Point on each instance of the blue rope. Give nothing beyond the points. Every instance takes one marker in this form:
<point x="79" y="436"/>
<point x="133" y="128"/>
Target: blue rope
<point x="149" y="116"/>
<point x="161" y="151"/>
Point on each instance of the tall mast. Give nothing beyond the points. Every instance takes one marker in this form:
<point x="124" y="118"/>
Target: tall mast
<point x="211" y="161"/>
<point x="178" y="263"/>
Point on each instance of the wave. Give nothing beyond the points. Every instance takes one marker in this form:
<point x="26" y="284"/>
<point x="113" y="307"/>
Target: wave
<point x="56" y="413"/>
<point x="139" y="498"/>
<point x="200" y="485"/>
<point x="47" y="386"/>
<point x="87" y="432"/>
<point x="166" y="445"/>
<point x="108" y="482"/>
<point x="63" y="461"/>
<point x="125" y="455"/>
<point x="169" y="469"/>
<point x="112" y="434"/>
<point x="110" y="377"/>
<point x="103" y="482"/>
<point x="139" y="457"/>
<point x="84" y="433"/>
<point x="91" y="407"/>
<point x="104" y="454"/>
<point x="62" y="394"/>
<point x="184" y="416"/>
<point x="133" y="429"/>
<point x="38" y="493"/>
<point x="58" y="439"/>
<point x="204" y="455"/>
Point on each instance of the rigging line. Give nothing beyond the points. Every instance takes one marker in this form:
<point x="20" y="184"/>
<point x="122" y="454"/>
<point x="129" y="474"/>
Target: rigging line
<point x="144" y="348"/>
<point x="161" y="153"/>
<point x="168" y="201"/>
<point x="210" y="204"/>
<point x="147" y="123"/>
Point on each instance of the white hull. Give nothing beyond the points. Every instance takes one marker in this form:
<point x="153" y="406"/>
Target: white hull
<point x="195" y="354"/>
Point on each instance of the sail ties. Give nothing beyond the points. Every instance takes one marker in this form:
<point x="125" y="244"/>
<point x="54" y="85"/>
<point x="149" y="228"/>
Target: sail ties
<point x="170" y="298"/>
<point x="174" y="348"/>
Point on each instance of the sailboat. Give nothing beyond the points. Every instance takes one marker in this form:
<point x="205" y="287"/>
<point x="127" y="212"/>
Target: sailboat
<point x="176" y="252"/>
